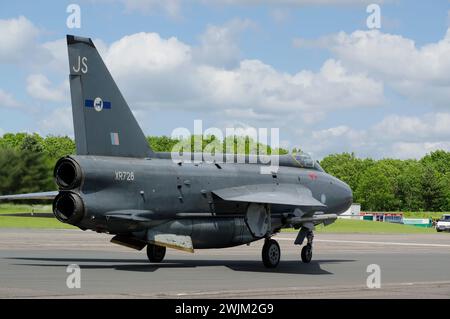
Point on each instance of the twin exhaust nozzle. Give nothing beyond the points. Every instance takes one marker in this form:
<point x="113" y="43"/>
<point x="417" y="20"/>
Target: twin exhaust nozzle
<point x="68" y="207"/>
<point x="68" y="174"/>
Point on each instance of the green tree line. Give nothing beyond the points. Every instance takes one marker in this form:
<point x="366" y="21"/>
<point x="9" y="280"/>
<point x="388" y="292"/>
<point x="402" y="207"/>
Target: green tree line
<point x="395" y="185"/>
<point x="27" y="161"/>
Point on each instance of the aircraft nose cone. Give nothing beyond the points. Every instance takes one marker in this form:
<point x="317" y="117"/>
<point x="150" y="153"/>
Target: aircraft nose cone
<point x="344" y="198"/>
<point x="348" y="196"/>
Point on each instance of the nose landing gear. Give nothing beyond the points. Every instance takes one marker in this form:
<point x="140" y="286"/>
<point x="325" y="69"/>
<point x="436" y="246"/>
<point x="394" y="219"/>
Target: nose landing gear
<point x="306" y="232"/>
<point x="307" y="250"/>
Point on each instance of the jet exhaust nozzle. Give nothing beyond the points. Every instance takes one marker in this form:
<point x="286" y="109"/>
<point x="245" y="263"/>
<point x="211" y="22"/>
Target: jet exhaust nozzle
<point x="67" y="173"/>
<point x="68" y="208"/>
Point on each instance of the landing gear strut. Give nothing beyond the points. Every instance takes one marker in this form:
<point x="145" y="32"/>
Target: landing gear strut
<point x="271" y="253"/>
<point x="307" y="250"/>
<point x="156" y="253"/>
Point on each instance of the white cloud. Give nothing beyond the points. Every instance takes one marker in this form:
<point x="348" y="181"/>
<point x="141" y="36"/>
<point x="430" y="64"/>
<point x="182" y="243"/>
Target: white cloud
<point x="171" y="7"/>
<point x="167" y="73"/>
<point x="18" y="38"/>
<point x="413" y="128"/>
<point x="336" y="140"/>
<point x="58" y="60"/>
<point x="314" y="117"/>
<point x="245" y="113"/>
<point x="268" y="90"/>
<point x="156" y="73"/>
<point x="39" y="87"/>
<point x="280" y="15"/>
<point x="7" y="100"/>
<point x="19" y="45"/>
<point x="395" y="136"/>
<point x="331" y="132"/>
<point x="419" y="73"/>
<point x="295" y="2"/>
<point x="58" y="122"/>
<point x="218" y="43"/>
<point x="417" y="150"/>
<point x="148" y="52"/>
<point x="151" y="71"/>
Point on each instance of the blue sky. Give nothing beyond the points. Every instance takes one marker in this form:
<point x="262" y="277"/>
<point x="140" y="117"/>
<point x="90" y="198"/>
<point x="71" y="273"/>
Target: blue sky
<point x="314" y="71"/>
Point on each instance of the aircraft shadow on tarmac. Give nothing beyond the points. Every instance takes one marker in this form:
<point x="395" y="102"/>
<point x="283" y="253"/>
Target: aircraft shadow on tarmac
<point x="139" y="265"/>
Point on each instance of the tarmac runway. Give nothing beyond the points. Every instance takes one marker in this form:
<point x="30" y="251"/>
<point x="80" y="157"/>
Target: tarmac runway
<point x="33" y="263"/>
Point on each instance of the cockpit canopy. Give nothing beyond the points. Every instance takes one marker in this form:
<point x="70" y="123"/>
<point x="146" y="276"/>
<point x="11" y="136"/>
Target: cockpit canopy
<point x="305" y="160"/>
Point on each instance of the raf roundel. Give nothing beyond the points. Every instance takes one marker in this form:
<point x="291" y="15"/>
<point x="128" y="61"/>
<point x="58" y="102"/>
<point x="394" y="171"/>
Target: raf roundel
<point x="98" y="104"/>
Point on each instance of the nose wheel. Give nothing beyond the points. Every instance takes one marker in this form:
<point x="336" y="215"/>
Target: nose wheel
<point x="307" y="250"/>
<point x="271" y="253"/>
<point x="307" y="254"/>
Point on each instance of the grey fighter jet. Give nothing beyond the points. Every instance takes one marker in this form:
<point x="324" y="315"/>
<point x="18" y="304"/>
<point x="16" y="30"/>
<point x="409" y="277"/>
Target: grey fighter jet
<point x="116" y="184"/>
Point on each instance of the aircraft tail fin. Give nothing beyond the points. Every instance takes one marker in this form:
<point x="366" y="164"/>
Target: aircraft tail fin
<point x="104" y="124"/>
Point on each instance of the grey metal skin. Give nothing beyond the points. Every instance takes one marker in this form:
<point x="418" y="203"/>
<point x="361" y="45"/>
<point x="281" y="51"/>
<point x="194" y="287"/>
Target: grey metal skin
<point x="117" y="184"/>
<point x="180" y="199"/>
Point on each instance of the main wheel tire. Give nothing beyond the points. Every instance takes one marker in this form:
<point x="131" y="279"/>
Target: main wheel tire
<point x="307" y="254"/>
<point x="271" y="253"/>
<point x="156" y="253"/>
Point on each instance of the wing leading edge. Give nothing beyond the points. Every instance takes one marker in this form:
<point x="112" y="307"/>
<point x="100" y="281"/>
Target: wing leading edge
<point x="31" y="196"/>
<point x="282" y="194"/>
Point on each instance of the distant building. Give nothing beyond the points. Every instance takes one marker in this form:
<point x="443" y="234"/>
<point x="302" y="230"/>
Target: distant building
<point x="354" y="212"/>
<point x="419" y="222"/>
<point x="388" y="217"/>
<point x="383" y="217"/>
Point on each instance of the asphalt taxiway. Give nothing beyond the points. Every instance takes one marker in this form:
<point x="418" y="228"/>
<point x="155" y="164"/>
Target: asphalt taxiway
<point x="33" y="263"/>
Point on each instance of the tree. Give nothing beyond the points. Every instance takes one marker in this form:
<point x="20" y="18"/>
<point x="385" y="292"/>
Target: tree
<point x="446" y="183"/>
<point x="10" y="140"/>
<point x="232" y="144"/>
<point x="439" y="160"/>
<point x="378" y="187"/>
<point x="433" y="189"/>
<point x="410" y="186"/>
<point x="56" y="147"/>
<point x="27" y="160"/>
<point x="162" y="143"/>
<point x="24" y="171"/>
<point x="31" y="144"/>
<point x="11" y="169"/>
<point x="347" y="167"/>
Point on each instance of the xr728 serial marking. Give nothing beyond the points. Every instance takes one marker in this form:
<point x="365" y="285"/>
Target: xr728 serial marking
<point x="125" y="176"/>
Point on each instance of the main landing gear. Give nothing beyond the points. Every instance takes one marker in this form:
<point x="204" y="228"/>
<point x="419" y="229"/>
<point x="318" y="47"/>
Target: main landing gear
<point x="156" y="253"/>
<point x="271" y="253"/>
